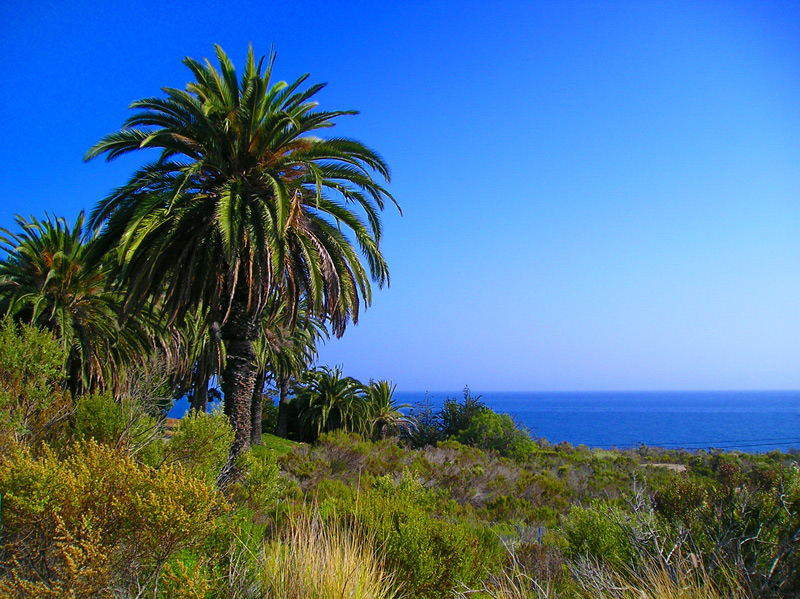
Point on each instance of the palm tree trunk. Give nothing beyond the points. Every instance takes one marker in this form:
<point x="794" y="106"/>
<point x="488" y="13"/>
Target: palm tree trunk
<point x="200" y="395"/>
<point x="239" y="377"/>
<point x="256" y="409"/>
<point x="283" y="406"/>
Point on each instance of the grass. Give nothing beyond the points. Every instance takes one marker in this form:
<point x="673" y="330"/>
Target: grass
<point x="311" y="560"/>
<point x="273" y="444"/>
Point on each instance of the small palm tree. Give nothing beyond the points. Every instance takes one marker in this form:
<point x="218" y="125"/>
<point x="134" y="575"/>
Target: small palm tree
<point x="48" y="280"/>
<point x="284" y="352"/>
<point x="203" y="357"/>
<point x="329" y="401"/>
<point x="385" y="417"/>
<point x="244" y="202"/>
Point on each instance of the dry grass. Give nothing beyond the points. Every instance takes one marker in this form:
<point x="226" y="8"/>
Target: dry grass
<point x="315" y="560"/>
<point x="591" y="580"/>
<point x="656" y="582"/>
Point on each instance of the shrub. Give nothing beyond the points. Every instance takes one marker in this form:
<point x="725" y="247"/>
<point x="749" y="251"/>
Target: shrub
<point x="33" y="406"/>
<point x="455" y="417"/>
<point x="591" y="533"/>
<point x="498" y="432"/>
<point x="125" y="425"/>
<point x="269" y="416"/>
<point x="258" y="486"/>
<point x="680" y="498"/>
<point x="98" y="515"/>
<point x="429" y="557"/>
<point x="201" y="443"/>
<point x="427" y="430"/>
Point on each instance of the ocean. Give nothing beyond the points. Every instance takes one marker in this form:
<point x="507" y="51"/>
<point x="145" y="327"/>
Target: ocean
<point x="750" y="421"/>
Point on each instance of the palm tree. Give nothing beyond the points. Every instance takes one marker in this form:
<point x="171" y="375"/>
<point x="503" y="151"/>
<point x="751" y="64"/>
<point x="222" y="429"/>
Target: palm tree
<point x="203" y="357"/>
<point x="384" y="416"/>
<point x="47" y="279"/>
<point x="329" y="401"/>
<point x="244" y="203"/>
<point x="284" y="352"/>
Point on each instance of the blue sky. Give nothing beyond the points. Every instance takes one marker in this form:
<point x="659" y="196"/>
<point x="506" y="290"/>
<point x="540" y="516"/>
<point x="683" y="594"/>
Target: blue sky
<point x="596" y="195"/>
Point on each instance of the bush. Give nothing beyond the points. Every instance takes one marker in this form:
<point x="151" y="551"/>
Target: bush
<point x="455" y="417"/>
<point x="124" y="425"/>
<point x="258" y="485"/>
<point x="430" y="558"/>
<point x="33" y="405"/>
<point x="498" y="432"/>
<point x="98" y="516"/>
<point x="269" y="416"/>
<point x="201" y="443"/>
<point x="591" y="533"/>
<point x="427" y="431"/>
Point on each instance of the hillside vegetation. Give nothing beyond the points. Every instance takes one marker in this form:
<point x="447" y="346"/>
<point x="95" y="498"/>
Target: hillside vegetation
<point x="98" y="502"/>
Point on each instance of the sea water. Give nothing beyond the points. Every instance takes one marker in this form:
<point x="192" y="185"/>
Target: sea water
<point x="751" y="421"/>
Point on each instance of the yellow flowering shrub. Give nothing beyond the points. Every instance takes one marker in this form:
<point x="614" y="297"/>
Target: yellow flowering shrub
<point x="98" y="515"/>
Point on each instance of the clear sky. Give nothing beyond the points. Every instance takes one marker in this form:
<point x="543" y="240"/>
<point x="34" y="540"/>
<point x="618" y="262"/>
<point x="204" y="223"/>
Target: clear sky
<point x="597" y="195"/>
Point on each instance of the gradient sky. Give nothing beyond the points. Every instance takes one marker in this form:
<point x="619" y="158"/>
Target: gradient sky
<point x="596" y="195"/>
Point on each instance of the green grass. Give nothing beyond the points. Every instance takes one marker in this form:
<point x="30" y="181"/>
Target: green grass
<point x="273" y="444"/>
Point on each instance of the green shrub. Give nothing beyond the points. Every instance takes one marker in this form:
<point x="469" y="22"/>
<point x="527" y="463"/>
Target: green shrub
<point x="99" y="417"/>
<point x="427" y="431"/>
<point x="33" y="405"/>
<point x="201" y="443"/>
<point x="455" y="417"/>
<point x="498" y="432"/>
<point x="125" y="425"/>
<point x="258" y="486"/>
<point x="430" y="558"/>
<point x="680" y="498"/>
<point x="591" y="533"/>
<point x="269" y="416"/>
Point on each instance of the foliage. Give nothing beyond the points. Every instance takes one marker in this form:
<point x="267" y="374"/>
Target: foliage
<point x="654" y="580"/>
<point x="747" y="513"/>
<point x="328" y="401"/>
<point x="200" y="444"/>
<point x="284" y="351"/>
<point x="33" y="406"/>
<point x="470" y="422"/>
<point x="201" y="345"/>
<point x="269" y="417"/>
<point x="498" y="432"/>
<point x="426" y="429"/>
<point x="590" y="533"/>
<point x="456" y="417"/>
<point x="383" y="416"/>
<point x="258" y="486"/>
<point x="90" y="518"/>
<point x="125" y="425"/>
<point x="430" y="557"/>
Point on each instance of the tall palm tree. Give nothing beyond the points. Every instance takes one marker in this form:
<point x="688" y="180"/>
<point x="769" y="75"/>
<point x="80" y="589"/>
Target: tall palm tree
<point x="47" y="279"/>
<point x="244" y="202"/>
